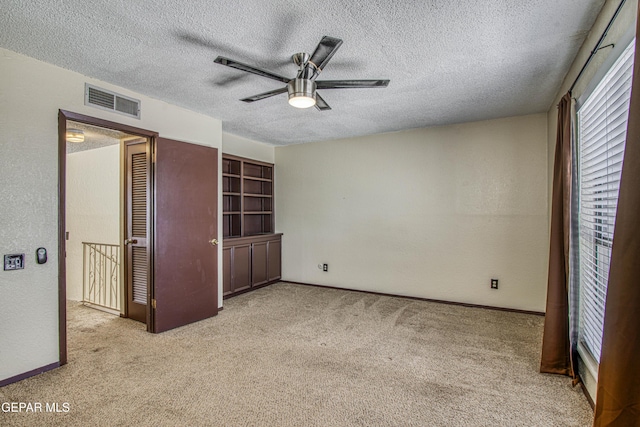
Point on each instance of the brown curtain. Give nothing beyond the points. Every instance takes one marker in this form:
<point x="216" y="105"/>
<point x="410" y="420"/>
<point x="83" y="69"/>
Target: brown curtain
<point x="556" y="347"/>
<point x="618" y="396"/>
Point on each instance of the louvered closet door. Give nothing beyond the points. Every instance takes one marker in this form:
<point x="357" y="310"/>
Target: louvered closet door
<point x="137" y="211"/>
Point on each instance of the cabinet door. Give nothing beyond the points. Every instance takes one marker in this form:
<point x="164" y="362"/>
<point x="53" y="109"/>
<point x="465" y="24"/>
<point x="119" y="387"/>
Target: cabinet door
<point x="274" y="263"/>
<point x="227" y="287"/>
<point x="259" y="263"/>
<point x="241" y="267"/>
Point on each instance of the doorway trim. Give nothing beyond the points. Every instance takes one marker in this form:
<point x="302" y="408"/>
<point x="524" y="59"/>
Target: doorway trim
<point x="63" y="116"/>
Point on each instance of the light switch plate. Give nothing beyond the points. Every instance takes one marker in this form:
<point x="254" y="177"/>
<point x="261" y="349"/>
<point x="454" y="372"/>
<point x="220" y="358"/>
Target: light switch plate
<point x="14" y="262"/>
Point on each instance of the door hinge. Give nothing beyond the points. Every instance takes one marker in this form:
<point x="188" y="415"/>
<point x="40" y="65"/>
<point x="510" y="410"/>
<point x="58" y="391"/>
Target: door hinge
<point x="153" y="303"/>
<point x="153" y="157"/>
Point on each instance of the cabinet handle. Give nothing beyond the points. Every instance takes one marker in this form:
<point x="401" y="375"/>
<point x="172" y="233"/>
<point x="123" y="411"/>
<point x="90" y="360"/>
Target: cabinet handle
<point x="214" y="242"/>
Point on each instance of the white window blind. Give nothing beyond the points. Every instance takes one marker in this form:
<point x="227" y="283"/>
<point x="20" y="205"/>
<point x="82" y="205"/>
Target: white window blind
<point x="602" y="132"/>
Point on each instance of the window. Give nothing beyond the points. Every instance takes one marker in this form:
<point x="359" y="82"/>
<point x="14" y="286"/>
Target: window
<point x="602" y="131"/>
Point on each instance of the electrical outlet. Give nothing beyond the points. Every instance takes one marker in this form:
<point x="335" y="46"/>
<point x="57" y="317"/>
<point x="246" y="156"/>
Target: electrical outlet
<point x="494" y="283"/>
<point x="325" y="267"/>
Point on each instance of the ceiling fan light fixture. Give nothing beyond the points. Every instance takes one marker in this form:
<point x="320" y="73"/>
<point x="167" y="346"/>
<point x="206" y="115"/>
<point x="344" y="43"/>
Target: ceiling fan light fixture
<point x="302" y="93"/>
<point x="302" y="101"/>
<point x="75" y="135"/>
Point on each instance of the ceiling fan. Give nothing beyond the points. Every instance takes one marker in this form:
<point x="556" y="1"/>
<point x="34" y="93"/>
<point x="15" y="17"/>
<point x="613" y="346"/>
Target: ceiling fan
<point x="302" y="88"/>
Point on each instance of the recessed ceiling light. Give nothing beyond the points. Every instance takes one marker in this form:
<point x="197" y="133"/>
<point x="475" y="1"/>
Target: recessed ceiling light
<point x="75" y="135"/>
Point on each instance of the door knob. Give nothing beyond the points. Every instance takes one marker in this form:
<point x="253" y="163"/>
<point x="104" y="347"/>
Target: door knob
<point x="129" y="241"/>
<point x="214" y="242"/>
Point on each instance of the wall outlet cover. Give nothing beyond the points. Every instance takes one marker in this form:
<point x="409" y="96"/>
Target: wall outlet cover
<point x="14" y="262"/>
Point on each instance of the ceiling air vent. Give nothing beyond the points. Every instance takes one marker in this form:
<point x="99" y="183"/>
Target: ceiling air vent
<point x="107" y="100"/>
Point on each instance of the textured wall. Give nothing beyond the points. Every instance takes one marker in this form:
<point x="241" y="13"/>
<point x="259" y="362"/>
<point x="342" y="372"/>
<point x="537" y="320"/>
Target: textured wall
<point x="243" y="147"/>
<point x="31" y="92"/>
<point x="432" y="213"/>
<point x="93" y="207"/>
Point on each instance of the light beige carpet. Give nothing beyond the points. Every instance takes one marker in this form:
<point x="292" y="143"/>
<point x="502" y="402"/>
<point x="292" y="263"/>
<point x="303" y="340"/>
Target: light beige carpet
<point x="292" y="355"/>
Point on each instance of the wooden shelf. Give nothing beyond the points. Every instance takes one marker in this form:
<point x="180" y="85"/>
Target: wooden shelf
<point x="231" y="167"/>
<point x="247" y="188"/>
<point x="257" y="195"/>
<point x="231" y="185"/>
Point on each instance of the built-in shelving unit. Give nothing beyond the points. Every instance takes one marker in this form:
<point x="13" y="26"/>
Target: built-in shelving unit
<point x="247" y="193"/>
<point x="251" y="249"/>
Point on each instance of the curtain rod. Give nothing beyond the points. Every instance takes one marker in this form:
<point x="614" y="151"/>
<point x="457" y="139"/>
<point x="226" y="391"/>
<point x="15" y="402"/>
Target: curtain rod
<point x="597" y="48"/>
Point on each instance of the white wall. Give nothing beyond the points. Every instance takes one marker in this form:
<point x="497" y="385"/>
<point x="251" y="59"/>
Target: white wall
<point x="432" y="213"/>
<point x="31" y="92"/>
<point x="624" y="23"/>
<point x="243" y="147"/>
<point x="93" y="207"/>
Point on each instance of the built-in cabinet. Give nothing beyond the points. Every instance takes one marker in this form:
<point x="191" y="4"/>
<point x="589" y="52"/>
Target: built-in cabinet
<point x="251" y="249"/>
<point x="250" y="262"/>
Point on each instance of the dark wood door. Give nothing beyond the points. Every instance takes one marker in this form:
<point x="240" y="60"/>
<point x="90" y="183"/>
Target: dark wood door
<point x="185" y="270"/>
<point x="137" y="229"/>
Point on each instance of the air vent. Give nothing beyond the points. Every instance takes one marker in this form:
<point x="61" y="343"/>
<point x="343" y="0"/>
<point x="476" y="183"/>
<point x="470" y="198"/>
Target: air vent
<point x="107" y="100"/>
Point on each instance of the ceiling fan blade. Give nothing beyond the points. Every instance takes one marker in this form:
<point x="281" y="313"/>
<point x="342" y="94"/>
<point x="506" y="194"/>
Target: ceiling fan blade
<point x="350" y="84"/>
<point x="321" y="104"/>
<point x="249" y="69"/>
<point x="228" y="80"/>
<point x="265" y="95"/>
<point x="327" y="47"/>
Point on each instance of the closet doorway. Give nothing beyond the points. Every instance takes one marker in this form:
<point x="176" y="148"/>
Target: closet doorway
<point x="168" y="232"/>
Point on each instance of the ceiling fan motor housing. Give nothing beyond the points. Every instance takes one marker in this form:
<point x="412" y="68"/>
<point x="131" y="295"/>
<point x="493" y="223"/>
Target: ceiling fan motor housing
<point x="302" y="88"/>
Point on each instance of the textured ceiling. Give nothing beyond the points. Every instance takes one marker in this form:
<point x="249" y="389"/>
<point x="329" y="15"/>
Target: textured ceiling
<point x="94" y="137"/>
<point x="448" y="61"/>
